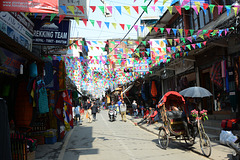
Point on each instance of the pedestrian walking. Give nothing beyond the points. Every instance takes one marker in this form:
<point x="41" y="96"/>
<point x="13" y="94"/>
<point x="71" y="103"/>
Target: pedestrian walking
<point x="134" y="107"/>
<point x="89" y="113"/>
<point x="142" y="108"/>
<point x="119" y="103"/>
<point x="123" y="109"/>
<point x="94" y="110"/>
<point x="77" y="114"/>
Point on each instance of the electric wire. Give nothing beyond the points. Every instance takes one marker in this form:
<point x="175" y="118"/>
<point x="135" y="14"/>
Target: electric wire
<point x="132" y="26"/>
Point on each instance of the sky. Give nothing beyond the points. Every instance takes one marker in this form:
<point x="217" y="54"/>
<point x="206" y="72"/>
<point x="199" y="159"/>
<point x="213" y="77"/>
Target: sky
<point x="101" y="34"/>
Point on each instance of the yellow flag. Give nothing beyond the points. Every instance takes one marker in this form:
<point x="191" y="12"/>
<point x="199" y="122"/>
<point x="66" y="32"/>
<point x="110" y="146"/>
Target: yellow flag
<point x="170" y="9"/>
<point x="91" y="47"/>
<point x="170" y="41"/>
<point x="137" y="54"/>
<point x="161" y="44"/>
<point x="164" y="1"/>
<point x="150" y="29"/>
<point x="71" y="8"/>
<point x="77" y="20"/>
<point x="235" y="10"/>
<point x="201" y="36"/>
<point x="197" y="4"/>
<point x="114" y="25"/>
<point x="127" y="9"/>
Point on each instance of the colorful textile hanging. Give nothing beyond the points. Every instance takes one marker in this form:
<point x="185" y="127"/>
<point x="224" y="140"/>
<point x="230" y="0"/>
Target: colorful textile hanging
<point x="154" y="89"/>
<point x="67" y="110"/>
<point x="62" y="75"/>
<point x="216" y="74"/>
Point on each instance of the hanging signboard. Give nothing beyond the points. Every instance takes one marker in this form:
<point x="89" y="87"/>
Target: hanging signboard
<point x="51" y="33"/>
<point x="156" y="47"/>
<point x="18" y="27"/>
<point x="79" y="8"/>
<point x="10" y="62"/>
<point x="34" y="6"/>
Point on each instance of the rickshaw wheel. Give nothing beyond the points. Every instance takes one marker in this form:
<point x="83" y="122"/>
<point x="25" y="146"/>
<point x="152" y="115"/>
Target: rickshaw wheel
<point x="205" y="145"/>
<point x="163" y="138"/>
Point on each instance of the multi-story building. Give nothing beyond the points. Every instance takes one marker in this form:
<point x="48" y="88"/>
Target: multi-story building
<point x="202" y="50"/>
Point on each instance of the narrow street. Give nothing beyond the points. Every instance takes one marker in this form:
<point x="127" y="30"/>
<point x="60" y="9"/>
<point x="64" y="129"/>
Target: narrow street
<point x="105" y="140"/>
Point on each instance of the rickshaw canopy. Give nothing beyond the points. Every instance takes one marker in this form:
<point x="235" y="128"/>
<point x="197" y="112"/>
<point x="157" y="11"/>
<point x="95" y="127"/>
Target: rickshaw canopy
<point x="172" y="96"/>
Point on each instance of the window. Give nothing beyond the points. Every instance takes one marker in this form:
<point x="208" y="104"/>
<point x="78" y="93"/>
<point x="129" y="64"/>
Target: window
<point x="195" y="21"/>
<point x="200" y="20"/>
<point x="177" y="24"/>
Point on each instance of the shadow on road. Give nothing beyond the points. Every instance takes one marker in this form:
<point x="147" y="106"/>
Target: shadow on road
<point x="80" y="143"/>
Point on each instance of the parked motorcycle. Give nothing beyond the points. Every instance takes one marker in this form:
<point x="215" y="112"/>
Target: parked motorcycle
<point x="112" y="115"/>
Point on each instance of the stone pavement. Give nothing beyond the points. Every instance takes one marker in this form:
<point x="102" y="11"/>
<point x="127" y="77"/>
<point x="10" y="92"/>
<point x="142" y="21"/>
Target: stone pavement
<point x="219" y="151"/>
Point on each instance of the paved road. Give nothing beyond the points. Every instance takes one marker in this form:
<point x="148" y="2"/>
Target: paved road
<point x="118" y="140"/>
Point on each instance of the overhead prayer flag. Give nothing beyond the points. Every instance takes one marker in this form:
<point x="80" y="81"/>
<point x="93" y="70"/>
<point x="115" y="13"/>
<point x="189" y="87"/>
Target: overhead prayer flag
<point x="122" y="25"/>
<point x="107" y="24"/>
<point x="81" y="9"/>
<point x="99" y="23"/>
<point x="76" y="19"/>
<point x="92" y="21"/>
<point x="64" y="8"/>
<point x="101" y="8"/>
<point x="110" y="9"/>
<point x="145" y="8"/>
<point x="127" y="8"/>
<point x="93" y="8"/>
<point x="136" y="9"/>
<point x="71" y="8"/>
<point x="119" y="9"/>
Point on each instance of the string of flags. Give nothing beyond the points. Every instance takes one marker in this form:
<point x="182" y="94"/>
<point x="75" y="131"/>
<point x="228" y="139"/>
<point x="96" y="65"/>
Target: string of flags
<point x="196" y="7"/>
<point x="164" y="45"/>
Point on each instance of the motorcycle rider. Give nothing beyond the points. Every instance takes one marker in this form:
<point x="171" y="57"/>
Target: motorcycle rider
<point x="112" y="107"/>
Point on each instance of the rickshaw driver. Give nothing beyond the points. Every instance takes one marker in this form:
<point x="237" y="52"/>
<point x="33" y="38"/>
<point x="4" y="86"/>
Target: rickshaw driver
<point x="186" y="114"/>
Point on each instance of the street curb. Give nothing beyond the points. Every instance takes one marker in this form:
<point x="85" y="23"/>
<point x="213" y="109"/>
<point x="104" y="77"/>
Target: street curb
<point x="65" y="142"/>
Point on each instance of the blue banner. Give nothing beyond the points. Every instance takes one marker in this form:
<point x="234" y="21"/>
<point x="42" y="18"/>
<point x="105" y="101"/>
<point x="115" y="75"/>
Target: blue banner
<point x="51" y="33"/>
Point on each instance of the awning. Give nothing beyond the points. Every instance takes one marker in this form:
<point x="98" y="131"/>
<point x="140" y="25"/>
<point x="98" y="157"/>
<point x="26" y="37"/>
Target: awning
<point x="127" y="89"/>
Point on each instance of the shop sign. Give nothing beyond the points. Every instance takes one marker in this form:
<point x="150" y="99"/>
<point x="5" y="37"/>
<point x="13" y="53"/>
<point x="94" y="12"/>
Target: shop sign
<point x="18" y="27"/>
<point x="77" y="12"/>
<point x="34" y="6"/>
<point x="10" y="62"/>
<point x="51" y="33"/>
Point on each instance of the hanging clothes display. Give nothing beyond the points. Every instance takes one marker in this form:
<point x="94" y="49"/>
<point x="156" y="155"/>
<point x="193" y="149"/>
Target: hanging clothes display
<point x="56" y="74"/>
<point x="5" y="147"/>
<point x="67" y="111"/>
<point x="154" y="92"/>
<point x="43" y="99"/>
<point x="62" y="76"/>
<point x="48" y="78"/>
<point x="215" y="74"/>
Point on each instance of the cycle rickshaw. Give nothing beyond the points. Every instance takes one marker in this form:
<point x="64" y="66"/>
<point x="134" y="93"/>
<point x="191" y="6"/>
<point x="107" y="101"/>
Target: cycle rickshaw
<point x="173" y="124"/>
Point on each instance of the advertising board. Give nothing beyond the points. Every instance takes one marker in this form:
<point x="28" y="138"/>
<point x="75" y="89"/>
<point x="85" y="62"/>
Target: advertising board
<point x="34" y="6"/>
<point x="51" y="33"/>
<point x="18" y="27"/>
